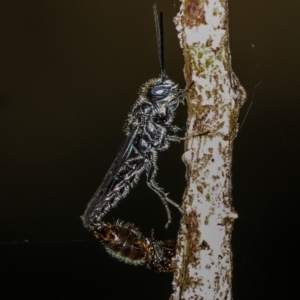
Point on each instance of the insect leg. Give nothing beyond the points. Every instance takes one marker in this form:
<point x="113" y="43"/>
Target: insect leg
<point x="174" y="138"/>
<point x="125" y="179"/>
<point x="174" y="128"/>
<point x="151" y="174"/>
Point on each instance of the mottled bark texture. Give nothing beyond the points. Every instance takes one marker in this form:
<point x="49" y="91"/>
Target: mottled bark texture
<point x="203" y="262"/>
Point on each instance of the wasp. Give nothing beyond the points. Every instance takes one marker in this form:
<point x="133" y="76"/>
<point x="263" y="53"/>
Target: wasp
<point x="125" y="242"/>
<point x="148" y="130"/>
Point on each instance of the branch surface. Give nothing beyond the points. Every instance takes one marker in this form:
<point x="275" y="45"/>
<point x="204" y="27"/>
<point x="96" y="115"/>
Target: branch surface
<point x="203" y="262"/>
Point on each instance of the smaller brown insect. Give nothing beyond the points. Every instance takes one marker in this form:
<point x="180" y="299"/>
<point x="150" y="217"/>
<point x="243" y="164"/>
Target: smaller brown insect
<point x="125" y="242"/>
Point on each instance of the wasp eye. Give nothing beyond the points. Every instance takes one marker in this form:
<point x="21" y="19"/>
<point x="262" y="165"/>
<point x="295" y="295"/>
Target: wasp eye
<point x="159" y="91"/>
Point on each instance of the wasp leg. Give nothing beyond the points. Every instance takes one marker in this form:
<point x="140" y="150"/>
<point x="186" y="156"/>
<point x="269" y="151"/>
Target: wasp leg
<point x="151" y="174"/>
<point x="174" y="128"/>
<point x="174" y="138"/>
<point x="126" y="178"/>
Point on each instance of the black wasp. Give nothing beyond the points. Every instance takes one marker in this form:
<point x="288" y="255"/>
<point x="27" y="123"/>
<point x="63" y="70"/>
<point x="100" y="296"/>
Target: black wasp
<point x="149" y="130"/>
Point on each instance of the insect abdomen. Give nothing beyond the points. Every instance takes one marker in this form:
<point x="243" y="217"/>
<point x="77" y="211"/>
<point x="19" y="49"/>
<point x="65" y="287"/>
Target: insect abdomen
<point x="125" y="242"/>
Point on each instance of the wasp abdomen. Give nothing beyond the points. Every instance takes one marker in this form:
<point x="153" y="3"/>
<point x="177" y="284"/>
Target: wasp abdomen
<point x="122" y="240"/>
<point x="125" y="242"/>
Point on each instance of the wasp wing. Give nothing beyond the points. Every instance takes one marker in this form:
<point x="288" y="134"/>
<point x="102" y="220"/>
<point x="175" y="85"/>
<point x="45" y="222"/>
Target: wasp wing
<point x="98" y="202"/>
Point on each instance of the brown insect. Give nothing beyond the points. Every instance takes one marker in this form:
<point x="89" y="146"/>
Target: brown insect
<point x="125" y="242"/>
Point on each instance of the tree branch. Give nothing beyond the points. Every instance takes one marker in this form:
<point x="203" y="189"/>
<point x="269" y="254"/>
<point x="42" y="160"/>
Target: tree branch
<point x="203" y="261"/>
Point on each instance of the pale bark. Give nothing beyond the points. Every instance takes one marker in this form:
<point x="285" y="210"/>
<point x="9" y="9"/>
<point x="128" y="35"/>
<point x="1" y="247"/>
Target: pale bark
<point x="203" y="263"/>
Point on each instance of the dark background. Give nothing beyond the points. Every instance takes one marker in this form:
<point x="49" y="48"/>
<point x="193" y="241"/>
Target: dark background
<point x="69" y="73"/>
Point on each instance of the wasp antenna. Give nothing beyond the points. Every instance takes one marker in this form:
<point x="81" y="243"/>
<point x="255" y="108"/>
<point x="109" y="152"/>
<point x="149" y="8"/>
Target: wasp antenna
<point x="162" y="45"/>
<point x="159" y="28"/>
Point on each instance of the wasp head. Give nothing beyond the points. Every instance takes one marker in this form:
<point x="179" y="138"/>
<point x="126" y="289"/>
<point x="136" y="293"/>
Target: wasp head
<point x="163" y="92"/>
